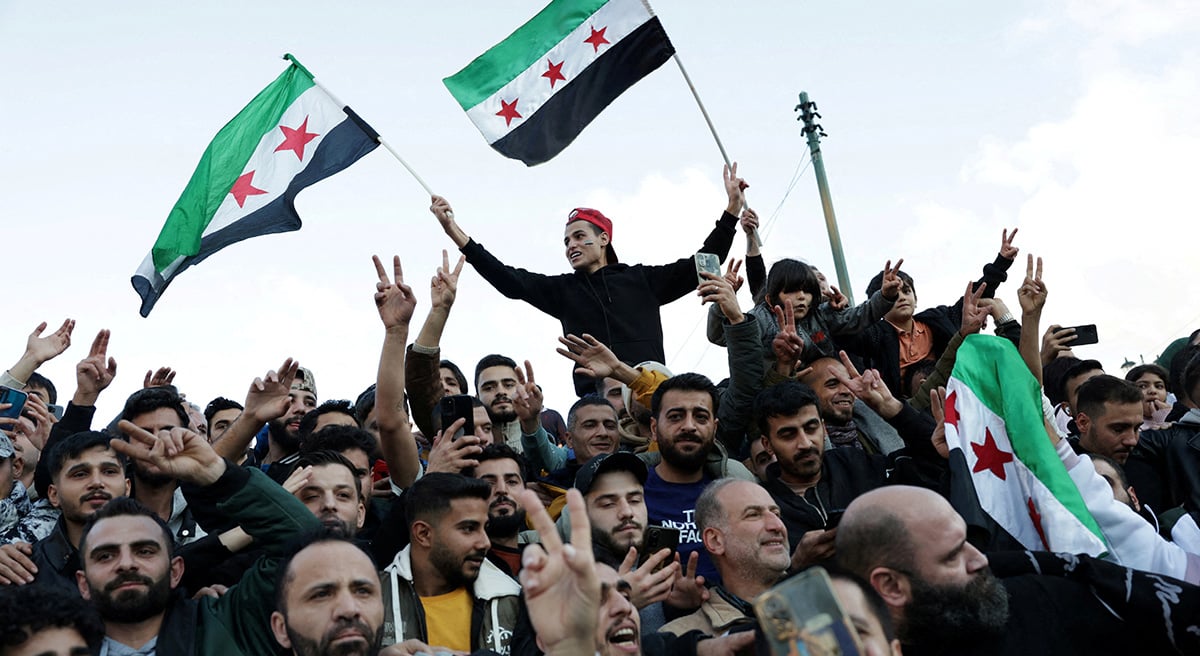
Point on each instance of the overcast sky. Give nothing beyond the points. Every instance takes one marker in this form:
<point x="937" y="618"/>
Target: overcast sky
<point x="947" y="122"/>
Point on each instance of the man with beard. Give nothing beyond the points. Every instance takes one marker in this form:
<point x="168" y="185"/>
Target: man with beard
<point x="330" y="490"/>
<point x="130" y="570"/>
<point x="848" y="422"/>
<point x="85" y="474"/>
<point x="497" y="381"/>
<point x="684" y="425"/>
<point x="328" y="601"/>
<point x="155" y="409"/>
<point x="283" y="433"/>
<point x="504" y="470"/>
<point x="441" y="589"/>
<point x="747" y="541"/>
<point x="910" y="545"/>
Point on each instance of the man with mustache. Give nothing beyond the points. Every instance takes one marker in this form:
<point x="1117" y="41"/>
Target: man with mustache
<point x="131" y="572"/>
<point x="504" y="470"/>
<point x="813" y="486"/>
<point x="848" y="423"/>
<point x="496" y="379"/>
<point x="85" y="473"/>
<point x="441" y="589"/>
<point x="329" y="488"/>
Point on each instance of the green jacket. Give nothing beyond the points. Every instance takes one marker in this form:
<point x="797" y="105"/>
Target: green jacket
<point x="240" y="621"/>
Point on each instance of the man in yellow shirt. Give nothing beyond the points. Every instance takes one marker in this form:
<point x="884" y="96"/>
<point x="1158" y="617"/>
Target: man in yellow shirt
<point x="441" y="589"/>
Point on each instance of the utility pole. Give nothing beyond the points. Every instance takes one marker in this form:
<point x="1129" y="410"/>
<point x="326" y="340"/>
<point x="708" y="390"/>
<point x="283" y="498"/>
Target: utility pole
<point x="814" y="132"/>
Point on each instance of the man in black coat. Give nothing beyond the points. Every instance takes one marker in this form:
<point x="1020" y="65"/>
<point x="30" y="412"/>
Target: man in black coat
<point x="616" y="303"/>
<point x="910" y="545"/>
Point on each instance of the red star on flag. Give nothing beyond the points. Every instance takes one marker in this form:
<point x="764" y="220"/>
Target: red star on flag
<point x="554" y="74"/>
<point x="508" y="111"/>
<point x="243" y="188"/>
<point x="952" y="409"/>
<point x="989" y="456"/>
<point x="597" y="39"/>
<point x="1037" y="523"/>
<point x="294" y="139"/>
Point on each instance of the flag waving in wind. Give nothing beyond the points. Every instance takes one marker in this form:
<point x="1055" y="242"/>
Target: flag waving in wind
<point x="290" y="136"/>
<point x="994" y="423"/>
<point x="534" y="92"/>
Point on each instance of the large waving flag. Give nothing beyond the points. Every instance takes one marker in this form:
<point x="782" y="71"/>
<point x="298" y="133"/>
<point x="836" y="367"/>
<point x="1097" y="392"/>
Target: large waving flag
<point x="994" y="425"/>
<point x="290" y="136"/>
<point x="534" y="92"/>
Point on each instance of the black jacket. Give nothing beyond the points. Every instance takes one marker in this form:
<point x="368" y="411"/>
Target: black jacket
<point x="1063" y="604"/>
<point x="847" y="473"/>
<point x="879" y="345"/>
<point x="618" y="304"/>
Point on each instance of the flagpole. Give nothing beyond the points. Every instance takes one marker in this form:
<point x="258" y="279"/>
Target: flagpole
<point x="711" y="128"/>
<point x="383" y="142"/>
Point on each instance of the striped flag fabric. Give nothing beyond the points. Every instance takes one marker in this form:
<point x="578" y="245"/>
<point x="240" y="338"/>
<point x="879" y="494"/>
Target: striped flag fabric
<point x="996" y="433"/>
<point x="534" y="92"/>
<point x="291" y="135"/>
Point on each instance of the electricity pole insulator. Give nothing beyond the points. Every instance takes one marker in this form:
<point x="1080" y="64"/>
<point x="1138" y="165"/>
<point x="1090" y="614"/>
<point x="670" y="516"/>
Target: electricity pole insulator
<point x="813" y="131"/>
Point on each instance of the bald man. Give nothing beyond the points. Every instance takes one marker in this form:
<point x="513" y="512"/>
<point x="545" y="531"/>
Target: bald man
<point x="910" y="545"/>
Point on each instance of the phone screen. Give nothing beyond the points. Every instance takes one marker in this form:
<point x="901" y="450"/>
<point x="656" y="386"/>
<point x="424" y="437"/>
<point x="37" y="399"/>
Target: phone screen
<point x="16" y="398"/>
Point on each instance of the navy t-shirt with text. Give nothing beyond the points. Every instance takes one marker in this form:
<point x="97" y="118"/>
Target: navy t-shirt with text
<point x="674" y="505"/>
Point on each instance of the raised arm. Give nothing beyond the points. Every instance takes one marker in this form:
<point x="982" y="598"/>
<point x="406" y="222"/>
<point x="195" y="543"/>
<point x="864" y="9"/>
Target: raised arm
<point x="267" y="399"/>
<point x="422" y="377"/>
<point x="38" y="351"/>
<point x="395" y="302"/>
<point x="1032" y="296"/>
<point x="445" y="216"/>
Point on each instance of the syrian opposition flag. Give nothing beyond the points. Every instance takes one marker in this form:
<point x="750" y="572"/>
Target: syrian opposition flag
<point x="997" y="437"/>
<point x="534" y="92"/>
<point x="290" y="136"/>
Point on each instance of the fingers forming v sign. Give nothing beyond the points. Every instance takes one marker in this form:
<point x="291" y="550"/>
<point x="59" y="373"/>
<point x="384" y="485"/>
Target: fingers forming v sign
<point x="731" y="274"/>
<point x="528" y="403"/>
<point x="93" y="374"/>
<point x="973" y="313"/>
<point x="1007" y="250"/>
<point x="443" y="288"/>
<point x="1032" y="293"/>
<point x="394" y="299"/>
<point x="891" y="280"/>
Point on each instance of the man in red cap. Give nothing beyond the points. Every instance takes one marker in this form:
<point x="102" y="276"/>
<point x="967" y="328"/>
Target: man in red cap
<point x="616" y="303"/>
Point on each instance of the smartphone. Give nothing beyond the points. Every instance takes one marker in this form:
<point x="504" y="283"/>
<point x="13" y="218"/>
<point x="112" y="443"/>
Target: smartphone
<point x="803" y="616"/>
<point x="56" y="410"/>
<point x="1084" y="335"/>
<point x="455" y="407"/>
<point x="658" y="538"/>
<point x="16" y="397"/>
<point x="707" y="262"/>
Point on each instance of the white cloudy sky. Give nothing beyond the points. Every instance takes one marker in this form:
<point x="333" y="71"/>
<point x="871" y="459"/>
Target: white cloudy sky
<point x="1075" y="121"/>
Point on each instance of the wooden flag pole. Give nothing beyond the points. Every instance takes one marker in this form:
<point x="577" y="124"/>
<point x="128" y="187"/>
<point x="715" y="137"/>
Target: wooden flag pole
<point x="711" y="128"/>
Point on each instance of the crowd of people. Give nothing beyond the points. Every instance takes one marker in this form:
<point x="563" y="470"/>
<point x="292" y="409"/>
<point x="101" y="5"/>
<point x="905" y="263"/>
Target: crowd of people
<point x="437" y="513"/>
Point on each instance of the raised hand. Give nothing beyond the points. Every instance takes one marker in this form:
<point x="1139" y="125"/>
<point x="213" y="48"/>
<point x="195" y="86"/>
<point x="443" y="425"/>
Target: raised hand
<point x="160" y="377"/>
<point x="891" y="280"/>
<point x="94" y="373"/>
<point x="39" y="419"/>
<point x="749" y="221"/>
<point x="394" y="299"/>
<point x="837" y="300"/>
<point x="268" y="398"/>
<point x="646" y="585"/>
<point x="442" y="210"/>
<point x="1056" y="340"/>
<point x="937" y="405"/>
<point x="716" y="289"/>
<point x="731" y="274"/>
<point x="788" y="345"/>
<point x="592" y="357"/>
<point x="178" y="453"/>
<point x="734" y="188"/>
<point x="974" y="312"/>
<point x="868" y="387"/>
<point x="444" y="286"/>
<point x="1007" y="250"/>
<point x="528" y="402"/>
<point x="43" y="349"/>
<point x="1032" y="293"/>
<point x="559" y="580"/>
<point x="687" y="591"/>
<point x="451" y="455"/>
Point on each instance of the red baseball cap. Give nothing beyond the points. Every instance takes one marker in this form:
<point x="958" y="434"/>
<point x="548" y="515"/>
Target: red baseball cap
<point x="597" y="219"/>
